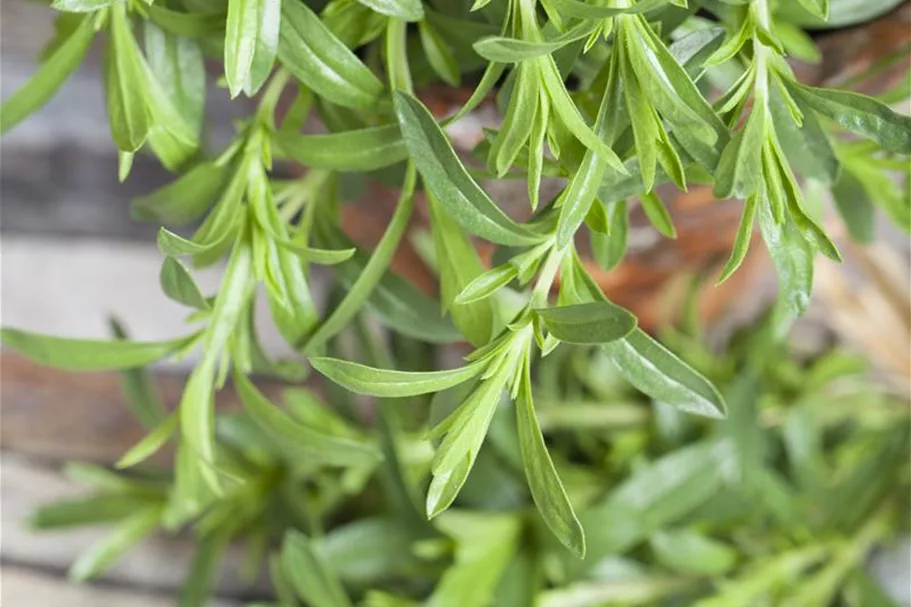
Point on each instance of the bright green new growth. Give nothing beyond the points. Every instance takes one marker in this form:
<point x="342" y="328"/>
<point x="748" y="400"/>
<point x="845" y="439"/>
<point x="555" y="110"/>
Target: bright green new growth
<point x="641" y="116"/>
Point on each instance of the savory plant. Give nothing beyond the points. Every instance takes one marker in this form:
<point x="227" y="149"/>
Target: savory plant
<point x="783" y="503"/>
<point x="661" y="93"/>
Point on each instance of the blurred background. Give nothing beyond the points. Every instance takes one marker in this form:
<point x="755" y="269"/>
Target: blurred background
<point x="72" y="256"/>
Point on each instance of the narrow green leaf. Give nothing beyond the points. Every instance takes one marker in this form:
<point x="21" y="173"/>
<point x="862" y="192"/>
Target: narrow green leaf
<point x="855" y="208"/>
<point x="859" y="114"/>
<point x="400" y="305"/>
<point x="448" y="180"/>
<point x="739" y="168"/>
<point x="138" y="388"/>
<point x="562" y="105"/>
<point x="89" y="354"/>
<point x="197" y="587"/>
<point x="252" y="29"/>
<point x="322" y="62"/>
<point x="128" y="111"/>
<point x="807" y="146"/>
<point x="546" y="489"/>
<point x="96" y="510"/>
<point x="173" y="245"/>
<point x="315" y="255"/>
<point x="150" y="443"/>
<point x="742" y="242"/>
<point x="266" y="49"/>
<point x="518" y="122"/>
<point x="45" y="82"/>
<point x="177" y="64"/>
<point x="184" y="200"/>
<point x="658" y="214"/>
<point x="793" y="260"/>
<point x="105" y="553"/>
<point x="487" y="284"/>
<point x="465" y="432"/>
<point x="438" y="54"/>
<point x="315" y="444"/>
<point x="513" y="50"/>
<point x="359" y="150"/>
<point x="389" y="383"/>
<point x="583" y="187"/>
<point x="372" y="272"/>
<point x="197" y="420"/>
<point x="178" y="284"/>
<point x="653" y="369"/>
<point x="609" y="249"/>
<point x="308" y="572"/>
<point x="589" y="323"/>
<point x="459" y="264"/>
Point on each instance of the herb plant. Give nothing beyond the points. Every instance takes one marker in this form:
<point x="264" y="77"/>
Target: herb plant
<point x="663" y="92"/>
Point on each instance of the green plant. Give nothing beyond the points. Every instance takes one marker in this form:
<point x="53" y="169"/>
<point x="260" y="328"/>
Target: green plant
<point x="639" y="117"/>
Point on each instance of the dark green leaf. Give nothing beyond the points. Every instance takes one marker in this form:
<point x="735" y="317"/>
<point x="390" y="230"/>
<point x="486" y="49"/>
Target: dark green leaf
<point x="859" y="114"/>
<point x="653" y="369"/>
<point x="448" y="180"/>
<point x="589" y="323"/>
<point x="49" y="77"/>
